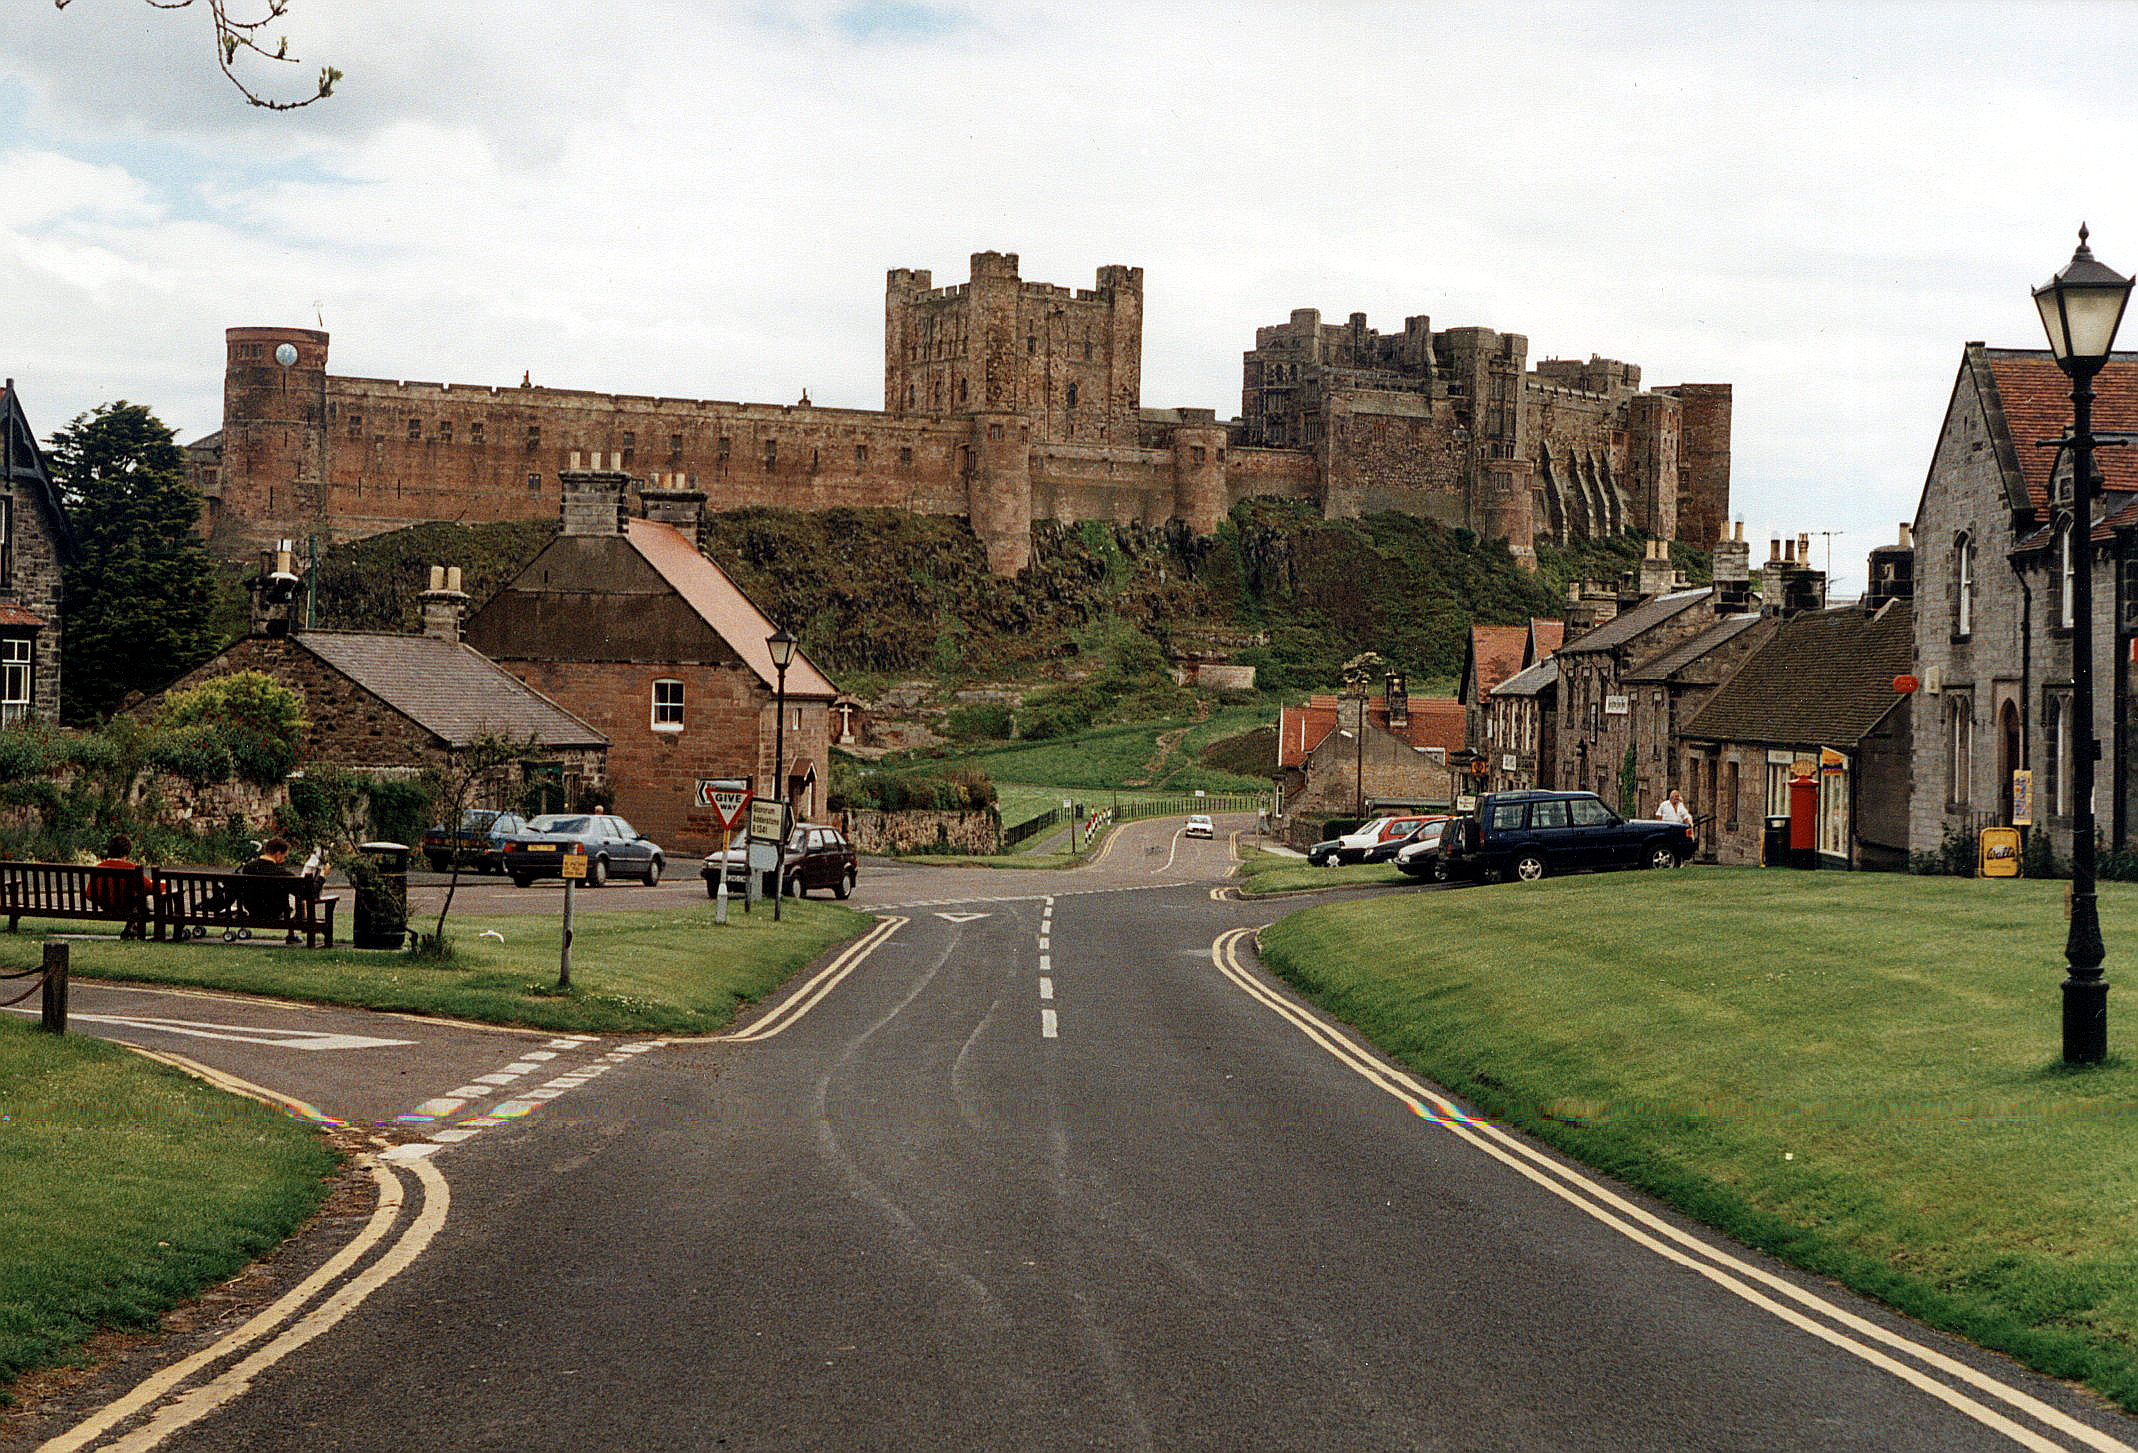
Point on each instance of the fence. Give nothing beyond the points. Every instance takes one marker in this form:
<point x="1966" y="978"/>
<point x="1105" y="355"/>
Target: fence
<point x="51" y="977"/>
<point x="1032" y="827"/>
<point x="1132" y="809"/>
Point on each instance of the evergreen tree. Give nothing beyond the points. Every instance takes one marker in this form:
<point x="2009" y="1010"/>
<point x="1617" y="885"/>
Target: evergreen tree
<point x="139" y="596"/>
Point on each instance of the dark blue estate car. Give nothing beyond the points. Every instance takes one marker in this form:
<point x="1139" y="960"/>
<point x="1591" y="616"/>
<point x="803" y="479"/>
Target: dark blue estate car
<point x="1529" y="835"/>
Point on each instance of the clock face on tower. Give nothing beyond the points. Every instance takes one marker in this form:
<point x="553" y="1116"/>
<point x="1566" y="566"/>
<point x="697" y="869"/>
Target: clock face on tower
<point x="286" y="355"/>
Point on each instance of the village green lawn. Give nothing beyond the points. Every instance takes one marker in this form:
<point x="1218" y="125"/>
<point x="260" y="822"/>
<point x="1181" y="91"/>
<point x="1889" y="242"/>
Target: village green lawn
<point x="1859" y="1072"/>
<point x="126" y="1187"/>
<point x="652" y="971"/>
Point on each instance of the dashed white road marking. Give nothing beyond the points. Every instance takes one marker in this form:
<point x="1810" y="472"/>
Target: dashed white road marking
<point x="1046" y="988"/>
<point x="1047" y="1024"/>
<point x="1046" y="963"/>
<point x="1043" y="940"/>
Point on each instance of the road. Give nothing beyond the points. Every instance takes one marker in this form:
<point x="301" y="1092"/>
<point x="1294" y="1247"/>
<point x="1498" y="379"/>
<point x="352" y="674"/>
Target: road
<point x="1049" y="1164"/>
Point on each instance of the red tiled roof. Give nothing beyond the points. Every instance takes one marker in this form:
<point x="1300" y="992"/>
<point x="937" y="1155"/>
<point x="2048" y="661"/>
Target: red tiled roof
<point x="1496" y="654"/>
<point x="15" y="615"/>
<point x="1435" y="721"/>
<point x="2037" y="405"/>
<point x="719" y="601"/>
<point x="1546" y="637"/>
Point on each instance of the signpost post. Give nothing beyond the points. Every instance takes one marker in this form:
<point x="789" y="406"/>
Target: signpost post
<point x="573" y="867"/>
<point x="727" y="797"/>
<point x="768" y="824"/>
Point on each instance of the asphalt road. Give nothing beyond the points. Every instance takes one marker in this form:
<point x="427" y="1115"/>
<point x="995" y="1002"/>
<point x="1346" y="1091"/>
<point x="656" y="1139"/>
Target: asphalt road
<point x="1052" y="1166"/>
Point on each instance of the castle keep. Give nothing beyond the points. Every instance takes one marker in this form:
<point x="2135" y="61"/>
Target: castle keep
<point x="1005" y="401"/>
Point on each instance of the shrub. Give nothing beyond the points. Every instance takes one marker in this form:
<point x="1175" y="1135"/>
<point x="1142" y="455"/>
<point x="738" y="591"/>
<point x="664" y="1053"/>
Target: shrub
<point x="198" y="753"/>
<point x="262" y="722"/>
<point x="981" y="722"/>
<point x="2038" y="858"/>
<point x="25" y="751"/>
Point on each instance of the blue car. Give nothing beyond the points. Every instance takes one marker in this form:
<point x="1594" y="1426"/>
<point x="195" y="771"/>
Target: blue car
<point x="613" y="847"/>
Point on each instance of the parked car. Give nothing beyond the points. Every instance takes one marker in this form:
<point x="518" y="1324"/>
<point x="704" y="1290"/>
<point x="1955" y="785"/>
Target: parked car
<point x="1199" y="826"/>
<point x="614" y="848"/>
<point x="817" y="857"/>
<point x="1375" y="841"/>
<point x="1419" y="855"/>
<point x="479" y="841"/>
<point x="1530" y="835"/>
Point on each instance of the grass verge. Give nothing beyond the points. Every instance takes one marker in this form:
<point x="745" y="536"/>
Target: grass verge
<point x="126" y="1187"/>
<point x="661" y="971"/>
<point x="1266" y="874"/>
<point x="1857" y="1072"/>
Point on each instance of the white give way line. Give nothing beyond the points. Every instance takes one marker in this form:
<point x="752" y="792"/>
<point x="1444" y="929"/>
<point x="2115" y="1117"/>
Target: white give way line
<point x="241" y="1033"/>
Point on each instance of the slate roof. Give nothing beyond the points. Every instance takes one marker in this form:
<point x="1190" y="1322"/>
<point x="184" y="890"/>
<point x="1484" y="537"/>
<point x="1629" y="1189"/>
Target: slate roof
<point x="23" y="464"/>
<point x="1537" y="680"/>
<point x="1627" y="624"/>
<point x="720" y="603"/>
<point x="448" y="687"/>
<point x="1826" y="677"/>
<point x="1435" y="721"/>
<point x="1685" y="653"/>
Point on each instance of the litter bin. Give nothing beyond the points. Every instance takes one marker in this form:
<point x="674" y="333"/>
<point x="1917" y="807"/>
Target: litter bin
<point x="1774" y="844"/>
<point x="381" y="882"/>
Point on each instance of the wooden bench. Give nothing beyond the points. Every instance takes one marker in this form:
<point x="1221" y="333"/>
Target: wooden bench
<point x="67" y="890"/>
<point x="185" y="901"/>
<point x="192" y="902"/>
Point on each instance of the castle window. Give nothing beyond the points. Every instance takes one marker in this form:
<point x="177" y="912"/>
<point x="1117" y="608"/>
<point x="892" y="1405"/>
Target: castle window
<point x="994" y="431"/>
<point x="771" y="454"/>
<point x="15" y="658"/>
<point x="1195" y="453"/>
<point x="475" y="433"/>
<point x="905" y="458"/>
<point x="415" y="428"/>
<point x="668" y="706"/>
<point x="445" y="431"/>
<point x="675" y="446"/>
<point x="628" y="453"/>
<point x="630" y="439"/>
<point x="816" y="460"/>
<point x="861" y="454"/>
<point x="356" y="426"/>
<point x="1031" y="344"/>
<point x="1072" y="396"/>
<point x="961" y="391"/>
<point x="534" y="484"/>
<point x="534" y="437"/>
<point x="1087" y="350"/>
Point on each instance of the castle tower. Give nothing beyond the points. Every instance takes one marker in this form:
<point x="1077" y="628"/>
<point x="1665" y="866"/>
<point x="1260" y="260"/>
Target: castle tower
<point x="998" y="491"/>
<point x="274" y="447"/>
<point x="1199" y="495"/>
<point x="1704" y="442"/>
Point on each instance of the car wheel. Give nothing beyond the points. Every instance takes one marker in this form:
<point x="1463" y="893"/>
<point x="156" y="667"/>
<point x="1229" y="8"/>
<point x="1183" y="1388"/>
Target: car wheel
<point x="795" y="888"/>
<point x="1662" y="857"/>
<point x="520" y="881"/>
<point x="1529" y="867"/>
<point x="1439" y="871"/>
<point x="597" y="872"/>
<point x="843" y="887"/>
<point x="653" y="872"/>
<point x="438" y="864"/>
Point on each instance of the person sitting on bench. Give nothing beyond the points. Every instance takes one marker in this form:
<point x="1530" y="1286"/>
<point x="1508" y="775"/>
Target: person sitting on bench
<point x="127" y="894"/>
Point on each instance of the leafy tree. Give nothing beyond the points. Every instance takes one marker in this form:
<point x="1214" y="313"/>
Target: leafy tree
<point x="235" y="37"/>
<point x="259" y="719"/>
<point x="476" y="774"/>
<point x="139" y="597"/>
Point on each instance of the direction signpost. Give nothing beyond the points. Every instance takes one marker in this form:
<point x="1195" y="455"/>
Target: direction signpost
<point x="727" y="797"/>
<point x="768" y="824"/>
<point x="572" y="867"/>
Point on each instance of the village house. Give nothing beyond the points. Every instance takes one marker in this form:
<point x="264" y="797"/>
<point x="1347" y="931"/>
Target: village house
<point x="1327" y="766"/>
<point x="625" y="622"/>
<point x="1506" y="732"/>
<point x="1817" y="698"/>
<point x="34" y="543"/>
<point x="1994" y="604"/>
<point x="390" y="704"/>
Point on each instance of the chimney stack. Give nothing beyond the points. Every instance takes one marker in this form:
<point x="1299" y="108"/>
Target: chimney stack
<point x="593" y="501"/>
<point x="274" y="591"/>
<point x="683" y="508"/>
<point x="1657" y="573"/>
<point x="1733" y="573"/>
<point x="444" y="605"/>
<point x="1397" y="694"/>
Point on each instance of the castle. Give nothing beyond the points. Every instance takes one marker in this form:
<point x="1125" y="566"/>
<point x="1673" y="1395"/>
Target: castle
<point x="1005" y="401"/>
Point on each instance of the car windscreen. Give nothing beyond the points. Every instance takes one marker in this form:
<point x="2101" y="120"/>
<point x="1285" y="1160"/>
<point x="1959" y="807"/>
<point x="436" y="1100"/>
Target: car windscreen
<point x="557" y="823"/>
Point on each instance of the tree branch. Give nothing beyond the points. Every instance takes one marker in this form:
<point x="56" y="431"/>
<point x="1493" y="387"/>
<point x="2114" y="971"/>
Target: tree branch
<point x="234" y="36"/>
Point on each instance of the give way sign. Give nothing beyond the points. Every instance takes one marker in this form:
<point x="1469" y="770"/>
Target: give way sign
<point x="726" y="801"/>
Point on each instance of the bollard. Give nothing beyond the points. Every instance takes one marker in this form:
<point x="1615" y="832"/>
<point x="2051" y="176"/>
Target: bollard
<point x="54" y="1019"/>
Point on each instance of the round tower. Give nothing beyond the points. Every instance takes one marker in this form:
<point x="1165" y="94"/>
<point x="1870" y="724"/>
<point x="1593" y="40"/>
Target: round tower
<point x="274" y="447"/>
<point x="998" y="491"/>
<point x="1199" y="471"/>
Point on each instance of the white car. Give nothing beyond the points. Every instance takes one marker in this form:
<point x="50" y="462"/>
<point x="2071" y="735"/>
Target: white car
<point x="1199" y="826"/>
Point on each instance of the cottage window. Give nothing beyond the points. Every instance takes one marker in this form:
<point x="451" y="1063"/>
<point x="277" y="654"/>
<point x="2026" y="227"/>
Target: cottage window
<point x="668" y="706"/>
<point x="1960" y="748"/>
<point x="14" y="678"/>
<point x="1963" y="586"/>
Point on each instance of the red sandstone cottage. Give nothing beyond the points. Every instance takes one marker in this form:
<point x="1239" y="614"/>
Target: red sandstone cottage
<point x="34" y="541"/>
<point x="626" y="623"/>
<point x="1324" y="769"/>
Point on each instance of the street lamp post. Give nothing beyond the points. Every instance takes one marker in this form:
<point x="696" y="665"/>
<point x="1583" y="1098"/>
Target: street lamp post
<point x="2080" y="309"/>
<point x="781" y="643"/>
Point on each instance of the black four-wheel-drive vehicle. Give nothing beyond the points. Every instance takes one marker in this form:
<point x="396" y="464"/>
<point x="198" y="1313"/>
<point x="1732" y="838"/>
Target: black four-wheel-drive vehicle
<point x="1530" y="835"/>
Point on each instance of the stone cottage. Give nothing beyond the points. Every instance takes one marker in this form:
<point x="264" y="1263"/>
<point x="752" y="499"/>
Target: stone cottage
<point x="34" y="543"/>
<point x="625" y="622"/>
<point x="1327" y="765"/>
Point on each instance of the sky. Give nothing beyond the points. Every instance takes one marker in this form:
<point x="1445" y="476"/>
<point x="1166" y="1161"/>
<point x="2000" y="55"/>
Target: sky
<point x="1818" y="203"/>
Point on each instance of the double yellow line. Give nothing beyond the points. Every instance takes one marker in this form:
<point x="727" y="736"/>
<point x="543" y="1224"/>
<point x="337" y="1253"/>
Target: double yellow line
<point x="1841" y="1328"/>
<point x="810" y="994"/>
<point x="304" y="1312"/>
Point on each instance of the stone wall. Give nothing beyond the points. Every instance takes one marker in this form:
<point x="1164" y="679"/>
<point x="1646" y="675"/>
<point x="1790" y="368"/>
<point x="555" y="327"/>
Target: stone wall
<point x="914" y="831"/>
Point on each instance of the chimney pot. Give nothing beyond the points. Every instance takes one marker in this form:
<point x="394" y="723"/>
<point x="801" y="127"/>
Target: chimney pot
<point x="452" y="577"/>
<point x="437" y="577"/>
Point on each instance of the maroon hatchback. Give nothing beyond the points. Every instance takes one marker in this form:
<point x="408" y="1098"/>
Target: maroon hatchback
<point x="817" y="857"/>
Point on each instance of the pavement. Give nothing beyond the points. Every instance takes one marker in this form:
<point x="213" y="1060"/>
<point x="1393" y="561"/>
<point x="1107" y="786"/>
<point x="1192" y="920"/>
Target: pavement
<point x="1045" y="1162"/>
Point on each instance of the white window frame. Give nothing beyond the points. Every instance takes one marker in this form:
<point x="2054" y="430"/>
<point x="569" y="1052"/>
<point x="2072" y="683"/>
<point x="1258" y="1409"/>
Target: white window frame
<point x="2066" y="577"/>
<point x="1963" y="566"/>
<point x="667" y="706"/>
<point x="17" y="658"/>
<point x="1960" y="749"/>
